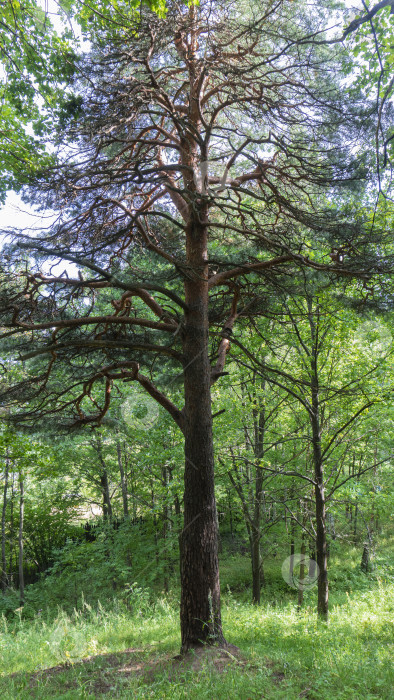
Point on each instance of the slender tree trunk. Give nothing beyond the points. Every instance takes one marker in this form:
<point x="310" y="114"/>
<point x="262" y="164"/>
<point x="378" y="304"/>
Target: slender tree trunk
<point x="166" y="529"/>
<point x="365" y="559"/>
<point x="20" y="540"/>
<point x="230" y="510"/>
<point x="355" y="523"/>
<point x="320" y="502"/>
<point x="123" y="480"/>
<point x="122" y="463"/>
<point x="252" y="501"/>
<point x="320" y="505"/>
<point x="302" y="572"/>
<point x="255" y="540"/>
<point x="155" y="533"/>
<point x="166" y="509"/>
<point x="292" y="546"/>
<point x="312" y="559"/>
<point x="200" y="587"/>
<point x="4" y="579"/>
<point x="331" y="524"/>
<point x="256" y="565"/>
<point x="107" y="507"/>
<point x="131" y="481"/>
<point x="258" y="448"/>
<point x="321" y="543"/>
<point x="11" y="552"/>
<point x="104" y="484"/>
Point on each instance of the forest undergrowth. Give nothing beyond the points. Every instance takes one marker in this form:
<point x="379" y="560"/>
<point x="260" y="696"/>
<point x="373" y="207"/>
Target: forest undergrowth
<point x="130" y="650"/>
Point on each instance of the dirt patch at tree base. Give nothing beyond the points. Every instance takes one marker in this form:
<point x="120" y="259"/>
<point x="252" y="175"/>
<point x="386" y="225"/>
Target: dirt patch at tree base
<point x="105" y="671"/>
<point x="195" y="659"/>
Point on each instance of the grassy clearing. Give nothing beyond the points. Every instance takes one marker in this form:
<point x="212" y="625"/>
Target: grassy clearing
<point x="285" y="654"/>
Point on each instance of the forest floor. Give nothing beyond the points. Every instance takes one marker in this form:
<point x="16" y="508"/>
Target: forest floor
<point x="110" y="651"/>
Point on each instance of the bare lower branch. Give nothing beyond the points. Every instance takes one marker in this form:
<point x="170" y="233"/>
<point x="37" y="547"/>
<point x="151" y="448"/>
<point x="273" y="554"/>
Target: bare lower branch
<point x="158" y="396"/>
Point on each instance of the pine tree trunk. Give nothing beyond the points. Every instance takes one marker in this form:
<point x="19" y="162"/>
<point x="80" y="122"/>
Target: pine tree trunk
<point x="200" y="588"/>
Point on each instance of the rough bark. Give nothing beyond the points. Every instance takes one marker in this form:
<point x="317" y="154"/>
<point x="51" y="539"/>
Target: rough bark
<point x="256" y="565"/>
<point x="200" y="588"/>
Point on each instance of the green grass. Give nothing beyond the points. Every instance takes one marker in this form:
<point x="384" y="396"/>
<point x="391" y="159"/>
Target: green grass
<point x="285" y="654"/>
<point x="116" y="650"/>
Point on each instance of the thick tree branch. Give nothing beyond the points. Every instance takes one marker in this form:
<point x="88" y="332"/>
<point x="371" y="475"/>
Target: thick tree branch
<point x="93" y="320"/>
<point x="102" y="345"/>
<point x="223" y="277"/>
<point x="157" y="395"/>
<point x="224" y="345"/>
<point x="84" y="262"/>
